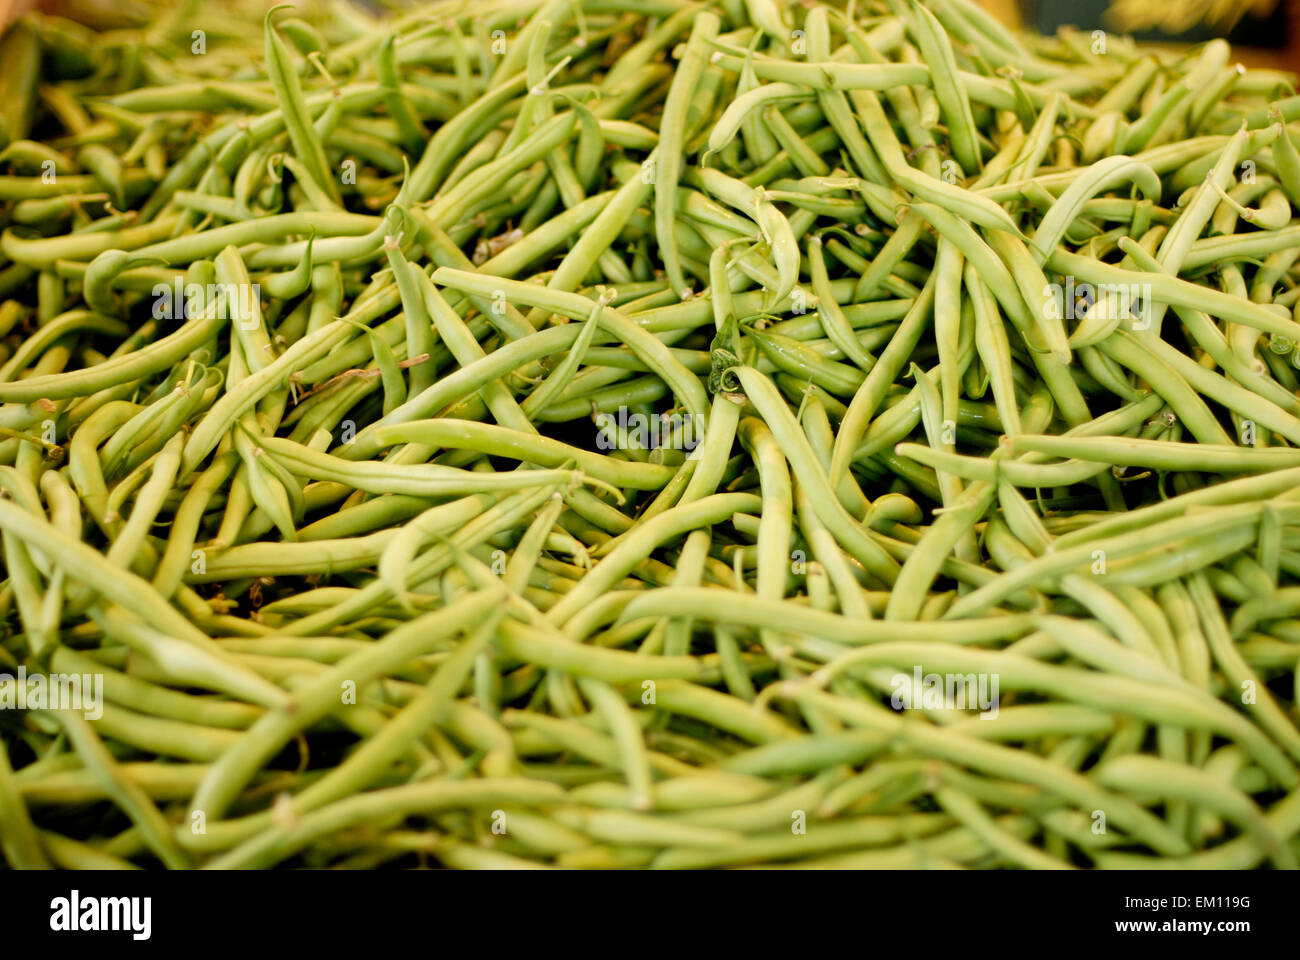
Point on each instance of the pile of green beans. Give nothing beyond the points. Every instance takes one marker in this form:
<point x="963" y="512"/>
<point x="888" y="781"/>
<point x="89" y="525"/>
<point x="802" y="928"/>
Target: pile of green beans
<point x="328" y="342"/>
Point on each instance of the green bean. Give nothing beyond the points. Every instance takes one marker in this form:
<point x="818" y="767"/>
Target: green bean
<point x="281" y="842"/>
<point x="262" y="740"/>
<point x="1146" y="774"/>
<point x="549" y="474"/>
<point x="937" y="51"/>
<point x="151" y="359"/>
<point x="288" y="91"/>
<point x="653" y="352"/>
<point x="1266" y="710"/>
<point x="128" y="795"/>
<point x="970" y="813"/>
<point x="1019" y="766"/>
<point x="22" y="846"/>
<point x="20" y="54"/>
<point x="1161" y="454"/>
<point x="190" y="651"/>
